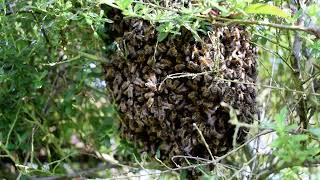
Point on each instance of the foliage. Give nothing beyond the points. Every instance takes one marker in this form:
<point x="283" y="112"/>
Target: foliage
<point x="54" y="109"/>
<point x="51" y="89"/>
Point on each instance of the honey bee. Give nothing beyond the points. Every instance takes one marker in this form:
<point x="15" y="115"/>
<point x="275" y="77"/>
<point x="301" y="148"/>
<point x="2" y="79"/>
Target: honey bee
<point x="181" y="89"/>
<point x="140" y="99"/>
<point x="207" y="105"/>
<point x="137" y="24"/>
<point x="249" y="98"/>
<point x="207" y="78"/>
<point x="118" y="97"/>
<point x="146" y="69"/>
<point x="205" y="91"/>
<point x="190" y="107"/>
<point x="187" y="59"/>
<point x="149" y="33"/>
<point x="148" y="50"/>
<point x="144" y="113"/>
<point x="125" y="85"/>
<point x="152" y="77"/>
<point x="149" y="95"/>
<point x="173" y="115"/>
<point x="129" y="51"/>
<point x="129" y="91"/>
<point x="180" y="59"/>
<point x="123" y="107"/>
<point x="132" y="67"/>
<point x="166" y="105"/>
<point x="187" y="145"/>
<point x="158" y="71"/>
<point x="172" y="52"/>
<point x="193" y="84"/>
<point x="240" y="95"/>
<point x="150" y="102"/>
<point x="109" y="72"/>
<point x="186" y="49"/>
<point x="210" y="118"/>
<point x="196" y="116"/>
<point x="195" y="53"/>
<point x="161" y="48"/>
<point x="138" y="81"/>
<point x="165" y="147"/>
<point x="118" y="79"/>
<point x="151" y="61"/>
<point x="151" y="85"/>
<point x="140" y="58"/>
<point x="206" y="63"/>
<point x="179" y="67"/>
<point x="129" y="115"/>
<point x="216" y="134"/>
<point x="140" y="37"/>
<point x="174" y="98"/>
<point x="193" y="66"/>
<point x="237" y="33"/>
<point x="215" y="90"/>
<point x="130" y="102"/>
<point x="162" y="115"/>
<point x="165" y="63"/>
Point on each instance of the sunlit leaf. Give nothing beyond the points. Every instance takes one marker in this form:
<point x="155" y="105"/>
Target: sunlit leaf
<point x="266" y="9"/>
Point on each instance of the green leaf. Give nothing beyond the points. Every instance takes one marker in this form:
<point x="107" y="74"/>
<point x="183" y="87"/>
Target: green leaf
<point x="183" y="174"/>
<point x="158" y="154"/>
<point x="124" y="4"/>
<point x="315" y="131"/>
<point x="162" y="36"/>
<point x="313" y="10"/>
<point x="266" y="9"/>
<point x="282" y="115"/>
<point x="193" y="31"/>
<point x="298" y="138"/>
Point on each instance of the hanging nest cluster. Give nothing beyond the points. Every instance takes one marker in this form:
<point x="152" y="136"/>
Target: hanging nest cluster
<point x="158" y="111"/>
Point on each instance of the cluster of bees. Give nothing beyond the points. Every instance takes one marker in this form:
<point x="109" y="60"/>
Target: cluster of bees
<point x="157" y="113"/>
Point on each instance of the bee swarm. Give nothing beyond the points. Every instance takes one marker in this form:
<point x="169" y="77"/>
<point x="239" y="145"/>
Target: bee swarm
<point x="157" y="113"/>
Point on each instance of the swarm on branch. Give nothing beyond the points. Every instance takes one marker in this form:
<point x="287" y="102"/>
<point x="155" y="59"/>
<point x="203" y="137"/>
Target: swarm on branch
<point x="159" y="119"/>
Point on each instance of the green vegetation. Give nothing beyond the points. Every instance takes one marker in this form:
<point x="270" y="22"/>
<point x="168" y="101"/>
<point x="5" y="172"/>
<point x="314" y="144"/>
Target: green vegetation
<point x="57" y="117"/>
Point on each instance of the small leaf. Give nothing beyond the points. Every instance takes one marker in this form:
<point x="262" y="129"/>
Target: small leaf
<point x="162" y="36"/>
<point x="158" y="154"/>
<point x="266" y="9"/>
<point x="193" y="31"/>
<point x="124" y="4"/>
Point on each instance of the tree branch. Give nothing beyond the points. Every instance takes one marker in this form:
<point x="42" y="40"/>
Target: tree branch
<point x="296" y="64"/>
<point x="310" y="30"/>
<point x="314" y="30"/>
<point x="79" y="173"/>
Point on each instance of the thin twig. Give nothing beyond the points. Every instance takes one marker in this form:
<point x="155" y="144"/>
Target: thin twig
<point x="162" y="163"/>
<point x="242" y="168"/>
<point x="310" y="30"/>
<point x="218" y="159"/>
<point x="296" y="64"/>
<point x="12" y="126"/>
<point x="203" y="140"/>
<point x="194" y="75"/>
<point x="190" y="157"/>
<point x="24" y="163"/>
<point x="78" y="174"/>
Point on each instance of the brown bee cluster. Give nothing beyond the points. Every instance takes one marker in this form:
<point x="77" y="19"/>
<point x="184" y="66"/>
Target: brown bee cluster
<point x="162" y="88"/>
